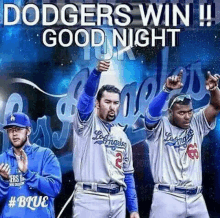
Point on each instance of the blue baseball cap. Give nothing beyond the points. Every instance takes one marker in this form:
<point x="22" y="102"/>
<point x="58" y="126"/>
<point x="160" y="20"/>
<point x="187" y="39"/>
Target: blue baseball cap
<point x="17" y="119"/>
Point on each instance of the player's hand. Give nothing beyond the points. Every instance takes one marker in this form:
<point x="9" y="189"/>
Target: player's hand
<point x="103" y="66"/>
<point x="175" y="81"/>
<point x="22" y="161"/>
<point x="212" y="81"/>
<point x="134" y="215"/>
<point x="5" y="171"/>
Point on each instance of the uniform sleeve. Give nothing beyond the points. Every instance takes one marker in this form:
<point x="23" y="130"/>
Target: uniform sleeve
<point x="128" y="159"/>
<point x="85" y="106"/>
<point x="82" y="127"/>
<point x="154" y="111"/>
<point x="49" y="183"/>
<point x="154" y="133"/>
<point x="4" y="186"/>
<point x="202" y="124"/>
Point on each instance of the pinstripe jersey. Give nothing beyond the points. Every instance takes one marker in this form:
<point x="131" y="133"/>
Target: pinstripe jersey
<point x="100" y="155"/>
<point x="175" y="153"/>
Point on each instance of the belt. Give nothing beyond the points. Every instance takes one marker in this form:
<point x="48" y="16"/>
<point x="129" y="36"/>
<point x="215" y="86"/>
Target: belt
<point x="103" y="190"/>
<point x="191" y="191"/>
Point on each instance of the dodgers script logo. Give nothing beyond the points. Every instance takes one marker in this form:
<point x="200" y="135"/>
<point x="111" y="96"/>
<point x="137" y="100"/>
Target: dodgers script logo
<point x="179" y="141"/>
<point x="108" y="140"/>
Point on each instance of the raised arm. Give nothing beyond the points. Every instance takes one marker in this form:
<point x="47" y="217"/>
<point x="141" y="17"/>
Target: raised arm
<point x="213" y="108"/>
<point x="154" y="111"/>
<point x="86" y="101"/>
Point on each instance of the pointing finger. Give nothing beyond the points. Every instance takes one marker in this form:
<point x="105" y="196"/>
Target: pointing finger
<point x="169" y="78"/>
<point x="208" y="74"/>
<point x="176" y="78"/>
<point x="180" y="74"/>
<point x="207" y="87"/>
<point x="210" y="77"/>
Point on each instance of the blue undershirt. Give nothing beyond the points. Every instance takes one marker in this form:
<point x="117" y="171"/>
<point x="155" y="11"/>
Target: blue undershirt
<point x="154" y="111"/>
<point x="130" y="193"/>
<point x="86" y="101"/>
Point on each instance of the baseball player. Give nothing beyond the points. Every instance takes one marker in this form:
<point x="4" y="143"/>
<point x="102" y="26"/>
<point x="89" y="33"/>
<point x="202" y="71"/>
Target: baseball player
<point x="102" y="163"/>
<point x="175" y="149"/>
<point x="30" y="175"/>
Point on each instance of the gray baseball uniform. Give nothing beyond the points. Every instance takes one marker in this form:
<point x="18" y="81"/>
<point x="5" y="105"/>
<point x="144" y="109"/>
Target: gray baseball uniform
<point x="101" y="158"/>
<point x="175" y="158"/>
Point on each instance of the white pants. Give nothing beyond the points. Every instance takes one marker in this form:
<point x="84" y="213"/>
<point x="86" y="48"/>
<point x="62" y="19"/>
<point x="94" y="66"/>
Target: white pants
<point x="89" y="204"/>
<point x="173" y="205"/>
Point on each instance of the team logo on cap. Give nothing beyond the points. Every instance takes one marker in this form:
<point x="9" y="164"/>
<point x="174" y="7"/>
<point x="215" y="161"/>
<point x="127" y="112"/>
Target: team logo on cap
<point x="12" y="118"/>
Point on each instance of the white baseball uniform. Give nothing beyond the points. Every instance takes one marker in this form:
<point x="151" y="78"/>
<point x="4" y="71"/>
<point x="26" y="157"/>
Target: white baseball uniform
<point x="175" y="158"/>
<point x="101" y="158"/>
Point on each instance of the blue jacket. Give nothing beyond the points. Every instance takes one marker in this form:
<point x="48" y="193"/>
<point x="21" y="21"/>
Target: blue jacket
<point x="30" y="194"/>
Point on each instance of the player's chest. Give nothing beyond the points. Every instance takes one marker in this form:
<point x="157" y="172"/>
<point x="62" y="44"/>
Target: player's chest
<point x="16" y="178"/>
<point x="182" y="144"/>
<point x="179" y="139"/>
<point x="111" y="140"/>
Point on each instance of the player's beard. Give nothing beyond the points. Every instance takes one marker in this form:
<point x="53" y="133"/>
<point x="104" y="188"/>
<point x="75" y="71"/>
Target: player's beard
<point x="23" y="142"/>
<point x="110" y="118"/>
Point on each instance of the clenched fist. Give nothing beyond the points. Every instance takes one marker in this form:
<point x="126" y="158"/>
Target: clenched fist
<point x="175" y="81"/>
<point x="103" y="66"/>
<point x="212" y="81"/>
